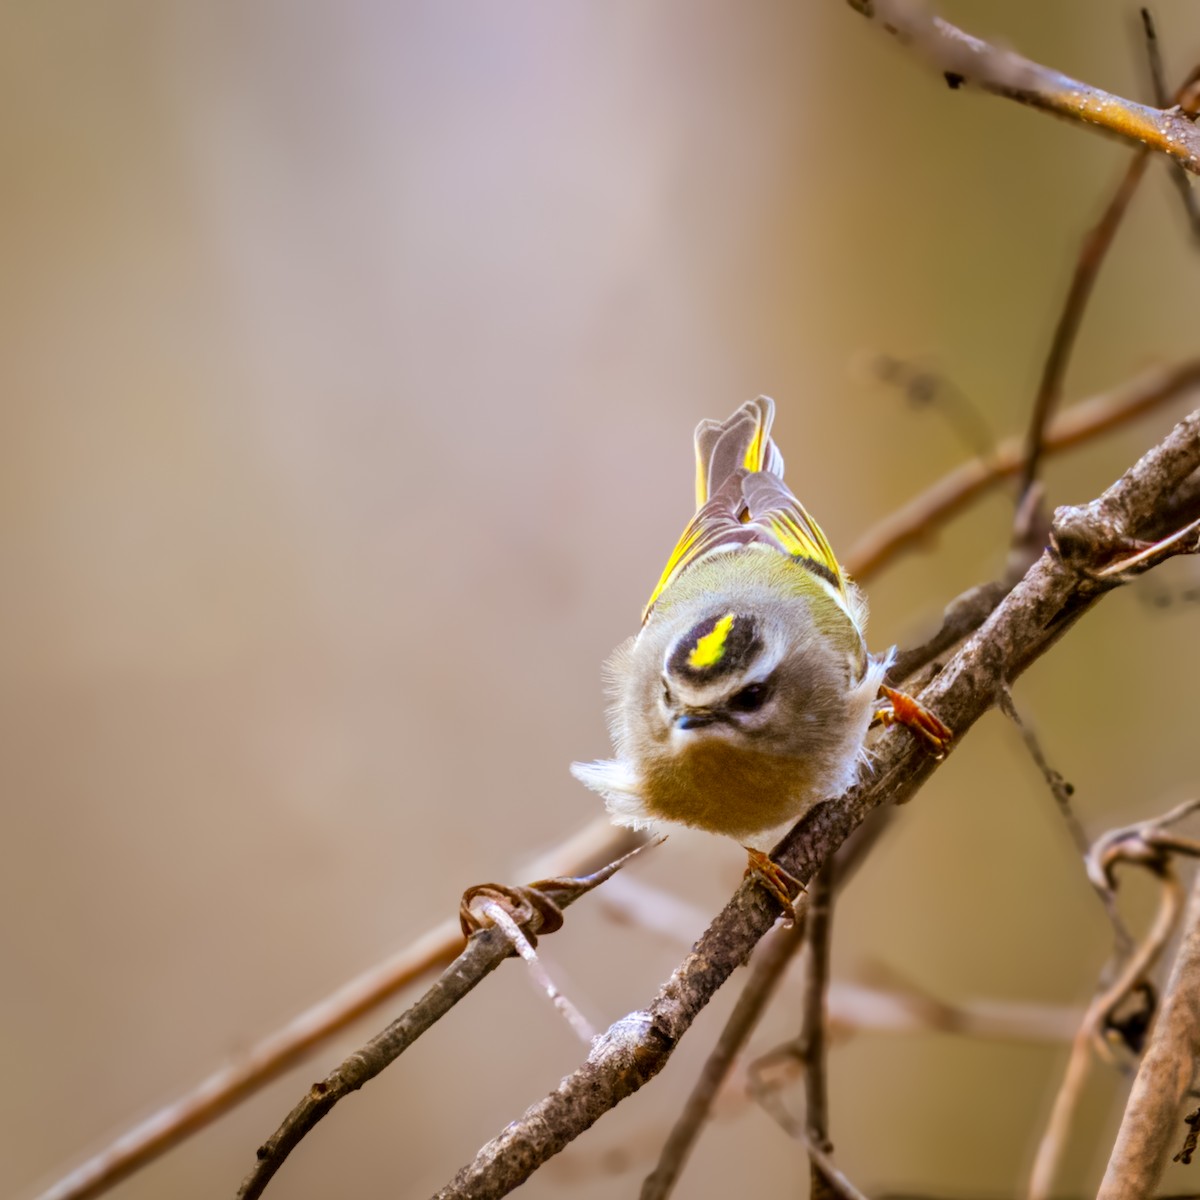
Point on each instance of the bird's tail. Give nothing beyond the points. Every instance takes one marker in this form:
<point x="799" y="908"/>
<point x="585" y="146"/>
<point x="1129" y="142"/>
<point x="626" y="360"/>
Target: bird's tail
<point x="740" y="441"/>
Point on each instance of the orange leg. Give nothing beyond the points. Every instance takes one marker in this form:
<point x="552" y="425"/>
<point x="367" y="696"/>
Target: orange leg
<point x="924" y="725"/>
<point x="775" y="879"/>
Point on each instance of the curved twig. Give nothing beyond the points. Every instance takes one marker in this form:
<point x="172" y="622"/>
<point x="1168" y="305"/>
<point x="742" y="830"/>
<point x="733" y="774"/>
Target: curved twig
<point x="535" y="908"/>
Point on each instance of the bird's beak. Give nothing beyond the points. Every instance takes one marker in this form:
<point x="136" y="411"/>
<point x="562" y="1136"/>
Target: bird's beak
<point x="696" y="718"/>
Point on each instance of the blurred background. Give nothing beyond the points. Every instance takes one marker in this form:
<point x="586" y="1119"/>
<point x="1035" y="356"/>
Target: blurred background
<point x="350" y="358"/>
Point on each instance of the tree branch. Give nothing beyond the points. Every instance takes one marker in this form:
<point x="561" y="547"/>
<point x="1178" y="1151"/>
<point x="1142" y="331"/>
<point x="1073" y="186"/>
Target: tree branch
<point x="814" y="1033"/>
<point x="536" y="909"/>
<point x="768" y="970"/>
<point x="1087" y="267"/>
<point x="917" y="519"/>
<point x="1054" y="594"/>
<point x="597" y="843"/>
<point x="1164" y="1077"/>
<point x="964" y="59"/>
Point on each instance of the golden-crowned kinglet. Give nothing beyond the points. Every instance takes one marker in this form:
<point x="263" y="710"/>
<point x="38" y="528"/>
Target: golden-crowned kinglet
<point x="745" y="698"/>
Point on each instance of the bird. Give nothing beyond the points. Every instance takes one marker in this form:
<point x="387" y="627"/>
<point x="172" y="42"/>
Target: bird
<point x="745" y="697"/>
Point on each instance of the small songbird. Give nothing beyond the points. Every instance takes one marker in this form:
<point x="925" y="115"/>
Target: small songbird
<point x="746" y="696"/>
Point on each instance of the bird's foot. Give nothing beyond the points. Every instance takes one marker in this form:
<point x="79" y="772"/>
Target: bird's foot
<point x="925" y="727"/>
<point x="776" y="880"/>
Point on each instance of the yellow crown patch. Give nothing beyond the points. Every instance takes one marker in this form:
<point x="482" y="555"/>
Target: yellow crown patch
<point x="710" y="649"/>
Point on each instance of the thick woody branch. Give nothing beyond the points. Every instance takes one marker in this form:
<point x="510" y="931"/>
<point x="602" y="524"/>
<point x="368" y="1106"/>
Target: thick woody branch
<point x="1054" y="594"/>
<point x="768" y="970"/>
<point x="964" y="59"/>
<point x="1151" y="1123"/>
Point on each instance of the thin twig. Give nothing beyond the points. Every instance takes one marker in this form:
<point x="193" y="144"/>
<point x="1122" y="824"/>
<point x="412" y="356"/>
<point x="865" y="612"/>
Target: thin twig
<point x="813" y="1034"/>
<point x="1062" y="793"/>
<point x="536" y="907"/>
<point x="579" y="1024"/>
<point x="916" y="520"/>
<point x="810" y="1049"/>
<point x="924" y="386"/>
<point x="964" y="59"/>
<point x="1053" y="1143"/>
<point x="835" y="1182"/>
<point x="1186" y="101"/>
<point x="1147" y="844"/>
<point x="598" y="842"/>
<point x="1164" y="1078"/>
<point x="1144" y="557"/>
<point x="902" y="1007"/>
<point x="1092" y="254"/>
<point x="1054" y="594"/>
<point x="766" y="973"/>
<point x="274" y="1054"/>
<point x="963" y="615"/>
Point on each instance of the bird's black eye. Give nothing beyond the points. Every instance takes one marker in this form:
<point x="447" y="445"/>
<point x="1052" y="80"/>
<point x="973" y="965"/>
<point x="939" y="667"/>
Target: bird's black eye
<point x="749" y="699"/>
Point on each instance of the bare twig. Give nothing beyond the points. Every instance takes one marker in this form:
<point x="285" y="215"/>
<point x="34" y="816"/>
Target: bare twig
<point x="536" y="908"/>
<point x="1062" y="793"/>
<point x="1054" y="594"/>
<point x="1090" y="1037"/>
<point x="1092" y="254"/>
<point x="764" y="1089"/>
<point x="964" y="614"/>
<point x="597" y="843"/>
<point x="916" y="520"/>
<point x="498" y="916"/>
<point x="1145" y="557"/>
<point x="813" y="1033"/>
<point x="964" y="59"/>
<point x="1147" y="844"/>
<point x="902" y="1007"/>
<point x="230" y="1084"/>
<point x="1186" y="100"/>
<point x="835" y="1182"/>
<point x="766" y="973"/>
<point x="1164" y="1078"/>
<point x="1191" y="1139"/>
<point x="923" y="386"/>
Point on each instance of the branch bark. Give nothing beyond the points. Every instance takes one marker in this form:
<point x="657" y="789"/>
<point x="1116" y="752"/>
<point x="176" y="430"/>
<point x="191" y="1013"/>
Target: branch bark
<point x="964" y="59"/>
<point x="1150" y="1125"/>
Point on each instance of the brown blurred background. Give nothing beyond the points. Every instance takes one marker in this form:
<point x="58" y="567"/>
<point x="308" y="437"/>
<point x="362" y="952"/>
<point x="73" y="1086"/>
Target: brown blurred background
<point x="350" y="357"/>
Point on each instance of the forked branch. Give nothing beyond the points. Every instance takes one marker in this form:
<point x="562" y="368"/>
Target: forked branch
<point x="1053" y="595"/>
